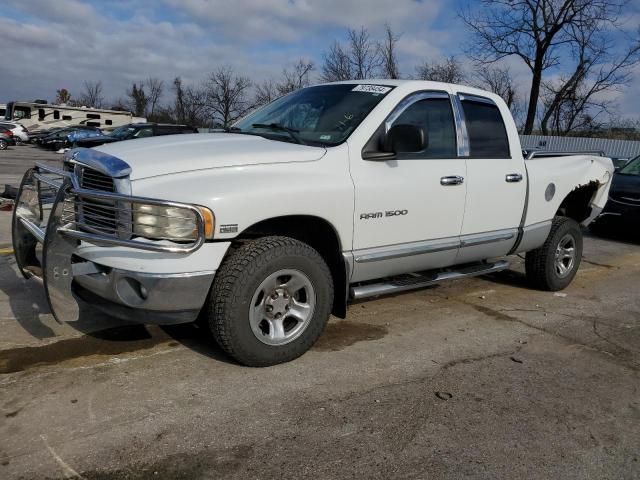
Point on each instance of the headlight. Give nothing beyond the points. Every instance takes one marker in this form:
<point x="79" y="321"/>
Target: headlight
<point x="170" y="223"/>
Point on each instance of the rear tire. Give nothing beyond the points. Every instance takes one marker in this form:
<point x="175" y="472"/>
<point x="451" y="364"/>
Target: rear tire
<point x="554" y="265"/>
<point x="3" y="144"/>
<point x="270" y="301"/>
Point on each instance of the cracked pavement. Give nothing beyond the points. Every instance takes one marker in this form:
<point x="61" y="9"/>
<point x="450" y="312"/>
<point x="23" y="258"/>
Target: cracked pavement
<point x="480" y="378"/>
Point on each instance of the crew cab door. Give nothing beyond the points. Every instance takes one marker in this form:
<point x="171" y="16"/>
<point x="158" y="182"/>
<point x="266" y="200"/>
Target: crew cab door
<point x="409" y="209"/>
<point x="496" y="180"/>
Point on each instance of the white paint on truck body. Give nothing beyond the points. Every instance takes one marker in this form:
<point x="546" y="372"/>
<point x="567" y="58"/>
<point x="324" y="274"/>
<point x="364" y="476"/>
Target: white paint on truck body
<point x="246" y="179"/>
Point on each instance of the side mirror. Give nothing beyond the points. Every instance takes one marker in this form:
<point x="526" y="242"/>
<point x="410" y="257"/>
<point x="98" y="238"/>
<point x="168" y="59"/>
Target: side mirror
<point x="402" y="138"/>
<point x="405" y="138"/>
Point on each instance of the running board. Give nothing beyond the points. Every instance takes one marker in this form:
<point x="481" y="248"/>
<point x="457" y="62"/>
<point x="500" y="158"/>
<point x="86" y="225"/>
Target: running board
<point x="415" y="281"/>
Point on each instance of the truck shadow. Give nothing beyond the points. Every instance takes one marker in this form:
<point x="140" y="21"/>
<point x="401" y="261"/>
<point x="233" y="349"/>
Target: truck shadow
<point x="510" y="278"/>
<point x="26" y="300"/>
<point x="101" y="333"/>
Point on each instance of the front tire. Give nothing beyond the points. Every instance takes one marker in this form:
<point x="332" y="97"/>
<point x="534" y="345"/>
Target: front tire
<point x="270" y="301"/>
<point x="554" y="265"/>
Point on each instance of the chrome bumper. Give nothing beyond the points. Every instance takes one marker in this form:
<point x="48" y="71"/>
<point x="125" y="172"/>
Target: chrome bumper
<point x="144" y="297"/>
<point x="45" y="215"/>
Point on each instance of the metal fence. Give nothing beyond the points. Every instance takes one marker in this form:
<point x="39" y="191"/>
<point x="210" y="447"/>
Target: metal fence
<point x="623" y="149"/>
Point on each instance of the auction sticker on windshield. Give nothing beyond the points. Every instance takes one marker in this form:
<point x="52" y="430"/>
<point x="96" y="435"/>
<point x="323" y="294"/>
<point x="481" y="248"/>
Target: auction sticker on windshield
<point x="371" y="89"/>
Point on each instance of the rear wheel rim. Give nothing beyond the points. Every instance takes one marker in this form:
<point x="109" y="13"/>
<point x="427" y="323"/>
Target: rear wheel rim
<point x="565" y="256"/>
<point x="282" y="307"/>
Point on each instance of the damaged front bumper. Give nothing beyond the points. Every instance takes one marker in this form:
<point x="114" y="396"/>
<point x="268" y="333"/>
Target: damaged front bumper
<point x="50" y="229"/>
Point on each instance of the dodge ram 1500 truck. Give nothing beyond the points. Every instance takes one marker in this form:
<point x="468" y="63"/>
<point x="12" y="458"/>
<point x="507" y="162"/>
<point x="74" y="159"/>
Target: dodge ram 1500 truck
<point x="333" y="193"/>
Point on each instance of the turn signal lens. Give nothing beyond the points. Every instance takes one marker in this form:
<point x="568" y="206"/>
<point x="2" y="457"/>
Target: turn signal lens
<point x="209" y="222"/>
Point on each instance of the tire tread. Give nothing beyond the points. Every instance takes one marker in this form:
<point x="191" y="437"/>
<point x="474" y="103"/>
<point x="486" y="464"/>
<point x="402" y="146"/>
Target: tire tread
<point x="536" y="261"/>
<point x="224" y="296"/>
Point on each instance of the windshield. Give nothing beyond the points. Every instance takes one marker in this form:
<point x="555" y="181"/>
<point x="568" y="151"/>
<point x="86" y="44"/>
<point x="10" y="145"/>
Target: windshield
<point x="122" y="133"/>
<point x="324" y="115"/>
<point x="631" y="168"/>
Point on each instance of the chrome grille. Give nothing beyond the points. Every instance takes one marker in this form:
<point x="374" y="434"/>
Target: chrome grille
<point x="94" y="180"/>
<point x="97" y="215"/>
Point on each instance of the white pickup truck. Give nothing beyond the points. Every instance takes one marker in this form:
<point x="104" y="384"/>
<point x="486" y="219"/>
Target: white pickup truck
<point x="333" y="193"/>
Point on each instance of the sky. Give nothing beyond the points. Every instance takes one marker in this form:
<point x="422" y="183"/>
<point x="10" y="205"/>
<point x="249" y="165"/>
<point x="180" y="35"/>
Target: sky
<point x="52" y="44"/>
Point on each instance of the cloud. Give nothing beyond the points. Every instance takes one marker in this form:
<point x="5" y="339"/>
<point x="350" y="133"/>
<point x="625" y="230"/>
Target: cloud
<point x="63" y="43"/>
<point x="254" y="21"/>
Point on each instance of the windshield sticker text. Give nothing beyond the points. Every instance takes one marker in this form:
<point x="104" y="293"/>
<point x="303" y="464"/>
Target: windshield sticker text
<point x="371" y="89"/>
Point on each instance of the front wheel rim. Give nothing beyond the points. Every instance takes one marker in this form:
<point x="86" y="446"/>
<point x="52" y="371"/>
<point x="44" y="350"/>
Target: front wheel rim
<point x="282" y="307"/>
<point x="565" y="256"/>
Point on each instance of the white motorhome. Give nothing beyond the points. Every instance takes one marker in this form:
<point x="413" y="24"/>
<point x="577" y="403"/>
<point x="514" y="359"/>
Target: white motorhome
<point x="36" y="116"/>
<point x="3" y="110"/>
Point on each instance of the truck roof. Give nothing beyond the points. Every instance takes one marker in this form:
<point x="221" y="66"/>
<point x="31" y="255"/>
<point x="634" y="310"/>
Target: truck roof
<point x="420" y="85"/>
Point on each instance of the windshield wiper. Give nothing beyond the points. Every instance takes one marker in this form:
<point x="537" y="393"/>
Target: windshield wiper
<point x="293" y="133"/>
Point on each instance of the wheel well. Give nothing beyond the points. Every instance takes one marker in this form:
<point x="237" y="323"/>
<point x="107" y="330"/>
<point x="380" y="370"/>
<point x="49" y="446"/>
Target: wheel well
<point x="576" y="205"/>
<point x="319" y="234"/>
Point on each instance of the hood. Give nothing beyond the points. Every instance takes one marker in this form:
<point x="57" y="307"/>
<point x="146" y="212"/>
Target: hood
<point x="151" y="157"/>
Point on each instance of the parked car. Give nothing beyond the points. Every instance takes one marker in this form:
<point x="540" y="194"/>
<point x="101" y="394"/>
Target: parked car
<point x="18" y="131"/>
<point x="65" y="137"/>
<point x="6" y="138"/>
<point x="135" y="130"/>
<point x="333" y="193"/>
<point x="623" y="205"/>
<point x="36" y="136"/>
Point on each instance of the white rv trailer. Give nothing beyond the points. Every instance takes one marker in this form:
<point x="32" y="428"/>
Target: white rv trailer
<point x="35" y="116"/>
<point x="3" y="109"/>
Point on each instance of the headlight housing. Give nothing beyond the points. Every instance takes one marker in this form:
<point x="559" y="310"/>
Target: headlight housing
<point x="170" y="223"/>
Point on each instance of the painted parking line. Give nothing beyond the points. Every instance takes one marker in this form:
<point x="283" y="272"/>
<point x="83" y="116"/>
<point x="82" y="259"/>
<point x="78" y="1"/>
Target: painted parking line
<point x="6" y="251"/>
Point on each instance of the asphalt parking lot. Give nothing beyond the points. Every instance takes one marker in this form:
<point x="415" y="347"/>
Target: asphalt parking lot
<point x="480" y="378"/>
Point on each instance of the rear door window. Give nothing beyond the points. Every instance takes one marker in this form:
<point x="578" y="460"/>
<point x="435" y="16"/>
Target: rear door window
<point x="487" y="133"/>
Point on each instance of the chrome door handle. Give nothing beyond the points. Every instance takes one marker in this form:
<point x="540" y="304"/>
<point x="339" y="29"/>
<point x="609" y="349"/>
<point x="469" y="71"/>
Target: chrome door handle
<point x="452" y="180"/>
<point x="513" y="177"/>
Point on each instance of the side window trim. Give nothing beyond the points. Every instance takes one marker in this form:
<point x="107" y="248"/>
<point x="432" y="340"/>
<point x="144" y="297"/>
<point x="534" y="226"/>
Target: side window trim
<point x="464" y="145"/>
<point x="407" y="102"/>
<point x="476" y="98"/>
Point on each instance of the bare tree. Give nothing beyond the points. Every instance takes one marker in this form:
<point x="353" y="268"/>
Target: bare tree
<point x="359" y="60"/>
<point x="499" y="81"/>
<point x="388" y="54"/>
<point x="138" y="99"/>
<point x="190" y="104"/>
<point x="179" y="105"/>
<point x="574" y="101"/>
<point x="63" y="96"/>
<point x="337" y="64"/>
<point x="226" y="96"/>
<point x="155" y="88"/>
<point x="120" y="105"/>
<point x="266" y="92"/>
<point x="449" y="71"/>
<point x="296" y="77"/>
<point x="534" y="31"/>
<point x="92" y="94"/>
<point x="365" y="57"/>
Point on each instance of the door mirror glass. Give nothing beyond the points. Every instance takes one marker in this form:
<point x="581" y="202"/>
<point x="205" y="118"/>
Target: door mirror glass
<point x="405" y="138"/>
